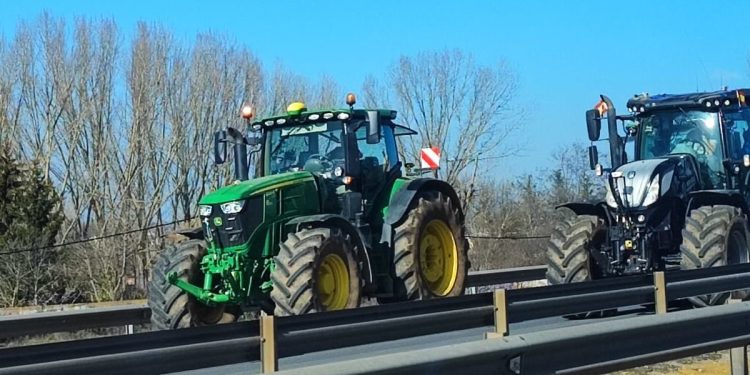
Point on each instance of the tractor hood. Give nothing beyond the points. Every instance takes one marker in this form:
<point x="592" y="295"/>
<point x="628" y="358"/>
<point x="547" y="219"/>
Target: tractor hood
<point x="245" y="189"/>
<point x="643" y="183"/>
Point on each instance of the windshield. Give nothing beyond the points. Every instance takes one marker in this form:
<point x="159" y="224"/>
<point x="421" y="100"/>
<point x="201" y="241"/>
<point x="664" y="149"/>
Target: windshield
<point x="315" y="147"/>
<point x="685" y="132"/>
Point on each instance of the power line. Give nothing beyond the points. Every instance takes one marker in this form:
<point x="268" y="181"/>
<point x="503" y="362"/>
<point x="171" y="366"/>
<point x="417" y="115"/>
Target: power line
<point x="90" y="239"/>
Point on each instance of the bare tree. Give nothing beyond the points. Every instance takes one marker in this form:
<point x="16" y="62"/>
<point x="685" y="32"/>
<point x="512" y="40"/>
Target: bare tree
<point x="283" y="88"/>
<point x="327" y="94"/>
<point x="455" y="104"/>
<point x="124" y="130"/>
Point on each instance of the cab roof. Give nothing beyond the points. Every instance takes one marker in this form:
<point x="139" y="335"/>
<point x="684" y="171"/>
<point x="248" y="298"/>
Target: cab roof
<point x="306" y="116"/>
<point x="707" y="100"/>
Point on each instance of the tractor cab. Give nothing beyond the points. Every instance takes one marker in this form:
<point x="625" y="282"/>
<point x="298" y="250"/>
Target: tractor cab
<point x="351" y="152"/>
<point x="710" y="129"/>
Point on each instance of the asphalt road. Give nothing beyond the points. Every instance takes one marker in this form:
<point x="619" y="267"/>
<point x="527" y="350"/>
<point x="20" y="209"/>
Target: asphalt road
<point x="421" y="342"/>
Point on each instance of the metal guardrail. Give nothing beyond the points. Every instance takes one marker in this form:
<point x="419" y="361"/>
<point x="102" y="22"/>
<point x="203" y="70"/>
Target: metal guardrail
<point x="49" y="322"/>
<point x="186" y="349"/>
<point x="510" y="275"/>
<point x="588" y="349"/>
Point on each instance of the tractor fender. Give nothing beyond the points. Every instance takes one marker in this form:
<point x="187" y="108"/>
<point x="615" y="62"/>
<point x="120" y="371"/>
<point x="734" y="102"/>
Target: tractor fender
<point x="729" y="197"/>
<point x="338" y="221"/>
<point x="598" y="209"/>
<point x="399" y="205"/>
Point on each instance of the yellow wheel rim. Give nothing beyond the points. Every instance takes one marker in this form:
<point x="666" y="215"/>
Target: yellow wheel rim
<point x="333" y="283"/>
<point x="438" y="258"/>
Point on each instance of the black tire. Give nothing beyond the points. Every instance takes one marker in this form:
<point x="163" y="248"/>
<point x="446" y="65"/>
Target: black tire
<point x="713" y="236"/>
<point x="568" y="251"/>
<point x="411" y="282"/>
<point x="172" y="307"/>
<point x="569" y="254"/>
<point x="299" y="264"/>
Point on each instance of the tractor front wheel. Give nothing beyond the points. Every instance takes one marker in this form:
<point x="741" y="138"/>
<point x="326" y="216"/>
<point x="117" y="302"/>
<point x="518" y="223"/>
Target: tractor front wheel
<point x="713" y="236"/>
<point x="430" y="250"/>
<point x="172" y="307"/>
<point x="569" y="254"/>
<point x="315" y="271"/>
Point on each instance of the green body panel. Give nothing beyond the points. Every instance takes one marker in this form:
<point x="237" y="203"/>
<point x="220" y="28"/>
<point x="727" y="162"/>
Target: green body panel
<point x="239" y="274"/>
<point x="397" y="185"/>
<point x="382" y="256"/>
<point x="255" y="186"/>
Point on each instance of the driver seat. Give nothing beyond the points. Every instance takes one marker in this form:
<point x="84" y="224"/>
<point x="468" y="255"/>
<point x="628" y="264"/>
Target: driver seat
<point x="302" y="157"/>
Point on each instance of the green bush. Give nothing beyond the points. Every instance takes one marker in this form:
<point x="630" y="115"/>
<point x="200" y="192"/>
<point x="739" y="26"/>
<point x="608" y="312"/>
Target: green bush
<point x="30" y="217"/>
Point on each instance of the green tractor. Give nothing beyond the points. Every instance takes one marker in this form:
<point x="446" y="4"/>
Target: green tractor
<point x="328" y="220"/>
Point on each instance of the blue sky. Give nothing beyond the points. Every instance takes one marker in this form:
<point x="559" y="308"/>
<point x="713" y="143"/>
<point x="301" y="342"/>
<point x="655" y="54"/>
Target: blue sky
<point x="564" y="52"/>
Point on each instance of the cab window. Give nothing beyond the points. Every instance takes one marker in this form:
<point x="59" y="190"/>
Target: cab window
<point x="383" y="154"/>
<point x="738" y="133"/>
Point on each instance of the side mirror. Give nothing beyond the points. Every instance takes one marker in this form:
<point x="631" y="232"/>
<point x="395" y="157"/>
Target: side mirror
<point x="593" y="157"/>
<point x="594" y="124"/>
<point x="220" y="147"/>
<point x="373" y="130"/>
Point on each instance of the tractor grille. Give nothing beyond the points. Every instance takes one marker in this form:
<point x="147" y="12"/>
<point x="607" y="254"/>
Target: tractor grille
<point x="235" y="229"/>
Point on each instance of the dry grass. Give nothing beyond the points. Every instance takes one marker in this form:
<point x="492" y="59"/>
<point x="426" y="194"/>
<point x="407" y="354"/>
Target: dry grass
<point x="709" y="363"/>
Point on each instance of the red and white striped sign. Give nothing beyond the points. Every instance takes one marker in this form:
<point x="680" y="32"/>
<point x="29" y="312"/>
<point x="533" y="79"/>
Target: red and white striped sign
<point x="430" y="157"/>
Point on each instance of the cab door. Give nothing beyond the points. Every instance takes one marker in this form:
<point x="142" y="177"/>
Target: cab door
<point x="379" y="168"/>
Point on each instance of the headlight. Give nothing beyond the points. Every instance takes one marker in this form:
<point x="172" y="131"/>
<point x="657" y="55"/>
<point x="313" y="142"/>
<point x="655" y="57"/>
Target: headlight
<point x="204" y="210"/>
<point x="652" y="193"/>
<point x="232" y="207"/>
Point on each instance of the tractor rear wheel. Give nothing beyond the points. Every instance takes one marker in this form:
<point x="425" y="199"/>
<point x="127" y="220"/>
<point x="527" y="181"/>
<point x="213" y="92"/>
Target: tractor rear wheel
<point x="569" y="253"/>
<point x="430" y="250"/>
<point x="172" y="307"/>
<point x="713" y="236"/>
<point x="315" y="271"/>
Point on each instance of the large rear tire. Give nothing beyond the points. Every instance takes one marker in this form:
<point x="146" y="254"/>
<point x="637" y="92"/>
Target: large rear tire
<point x="315" y="271"/>
<point x="430" y="250"/>
<point x="569" y="254"/>
<point x="172" y="307"/>
<point x="713" y="236"/>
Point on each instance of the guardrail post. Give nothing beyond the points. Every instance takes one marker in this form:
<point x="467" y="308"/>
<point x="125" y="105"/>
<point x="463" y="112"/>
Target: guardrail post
<point x="269" y="361"/>
<point x="660" y="293"/>
<point x="738" y="359"/>
<point x="129" y="329"/>
<point x="738" y="356"/>
<point x="501" y="315"/>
